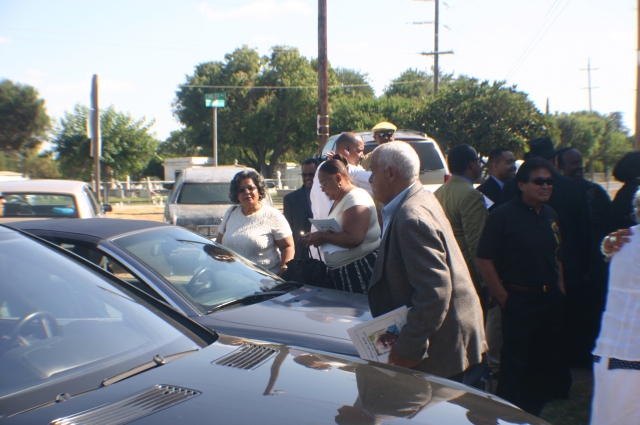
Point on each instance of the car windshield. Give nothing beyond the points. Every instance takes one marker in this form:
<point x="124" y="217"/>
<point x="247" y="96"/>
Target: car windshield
<point x="204" y="193"/>
<point x="205" y="273"/>
<point x="65" y="327"/>
<point x="40" y="205"/>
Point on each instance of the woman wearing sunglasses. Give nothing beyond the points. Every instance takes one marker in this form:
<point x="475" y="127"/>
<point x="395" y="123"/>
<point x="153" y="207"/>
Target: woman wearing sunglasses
<point x="258" y="232"/>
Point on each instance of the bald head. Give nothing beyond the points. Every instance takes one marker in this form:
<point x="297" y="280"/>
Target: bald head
<point x="351" y="146"/>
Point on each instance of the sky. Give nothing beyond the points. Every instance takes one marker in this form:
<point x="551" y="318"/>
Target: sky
<point x="142" y="50"/>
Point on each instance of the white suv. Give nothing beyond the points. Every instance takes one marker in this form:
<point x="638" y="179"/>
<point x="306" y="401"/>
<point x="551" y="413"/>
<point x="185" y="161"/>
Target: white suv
<point x="433" y="167"/>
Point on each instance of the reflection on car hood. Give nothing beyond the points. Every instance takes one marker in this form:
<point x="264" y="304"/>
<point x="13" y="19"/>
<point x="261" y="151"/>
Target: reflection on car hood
<point x="312" y="317"/>
<point x="286" y="385"/>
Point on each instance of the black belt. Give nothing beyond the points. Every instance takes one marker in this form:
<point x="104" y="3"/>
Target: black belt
<point x="543" y="288"/>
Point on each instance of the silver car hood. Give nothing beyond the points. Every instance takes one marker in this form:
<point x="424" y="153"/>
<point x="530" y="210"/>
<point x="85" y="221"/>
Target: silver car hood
<point x="313" y="317"/>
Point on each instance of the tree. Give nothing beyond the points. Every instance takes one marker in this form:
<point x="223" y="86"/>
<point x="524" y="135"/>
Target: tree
<point x="258" y="126"/>
<point x="349" y="77"/>
<point x="415" y="83"/>
<point x="178" y="144"/>
<point x="39" y="165"/>
<point x="483" y="115"/>
<point x="127" y="144"/>
<point x="23" y="119"/>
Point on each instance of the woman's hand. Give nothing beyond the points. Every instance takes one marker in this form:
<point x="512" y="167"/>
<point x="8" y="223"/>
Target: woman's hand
<point x="314" y="239"/>
<point x="287" y="252"/>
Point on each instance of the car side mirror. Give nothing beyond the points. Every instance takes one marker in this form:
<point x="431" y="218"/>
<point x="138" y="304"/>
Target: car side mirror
<point x="107" y="208"/>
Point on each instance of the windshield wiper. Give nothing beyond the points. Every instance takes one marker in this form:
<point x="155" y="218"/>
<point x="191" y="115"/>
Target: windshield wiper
<point x="284" y="286"/>
<point x="158" y="360"/>
<point x="257" y="295"/>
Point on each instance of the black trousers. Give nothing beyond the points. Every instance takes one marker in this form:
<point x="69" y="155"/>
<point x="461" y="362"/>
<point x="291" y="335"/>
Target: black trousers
<point x="533" y="367"/>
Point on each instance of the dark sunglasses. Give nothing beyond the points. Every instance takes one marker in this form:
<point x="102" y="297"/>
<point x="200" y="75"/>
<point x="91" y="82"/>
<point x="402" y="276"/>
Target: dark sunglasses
<point x="539" y="181"/>
<point x="385" y="133"/>
<point x="249" y="188"/>
<point x="312" y="174"/>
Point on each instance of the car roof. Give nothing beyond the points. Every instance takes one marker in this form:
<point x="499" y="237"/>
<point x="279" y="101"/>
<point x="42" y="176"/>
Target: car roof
<point x="43" y="186"/>
<point x="102" y="228"/>
<point x="212" y="174"/>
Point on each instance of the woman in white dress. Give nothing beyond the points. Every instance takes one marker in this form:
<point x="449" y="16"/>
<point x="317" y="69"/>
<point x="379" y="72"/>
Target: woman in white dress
<point x="616" y="366"/>
<point x="258" y="232"/>
<point x="353" y="208"/>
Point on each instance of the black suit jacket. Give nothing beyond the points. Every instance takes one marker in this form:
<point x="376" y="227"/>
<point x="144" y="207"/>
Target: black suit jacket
<point x="297" y="211"/>
<point x="492" y="191"/>
<point x="570" y="201"/>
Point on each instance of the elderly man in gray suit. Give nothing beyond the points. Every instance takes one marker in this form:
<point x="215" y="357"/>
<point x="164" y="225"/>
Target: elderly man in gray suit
<point x="420" y="265"/>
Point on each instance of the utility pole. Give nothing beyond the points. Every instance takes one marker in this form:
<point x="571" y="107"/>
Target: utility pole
<point x="589" y="69"/>
<point x="96" y="144"/>
<point x="638" y="84"/>
<point x="215" y="136"/>
<point x="323" y="77"/>
<point x="436" y="52"/>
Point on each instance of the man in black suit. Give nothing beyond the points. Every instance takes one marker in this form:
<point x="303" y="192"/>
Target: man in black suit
<point x="502" y="167"/>
<point x="297" y="204"/>
<point x="570" y="163"/>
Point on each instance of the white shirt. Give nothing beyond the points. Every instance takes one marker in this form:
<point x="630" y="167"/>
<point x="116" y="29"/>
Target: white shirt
<point x="355" y="197"/>
<point x="254" y="236"/>
<point x="620" y="332"/>
<point x="320" y="202"/>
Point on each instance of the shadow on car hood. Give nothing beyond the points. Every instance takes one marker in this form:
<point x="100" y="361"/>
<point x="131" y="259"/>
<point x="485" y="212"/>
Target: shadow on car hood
<point x="287" y="386"/>
<point x="312" y="317"/>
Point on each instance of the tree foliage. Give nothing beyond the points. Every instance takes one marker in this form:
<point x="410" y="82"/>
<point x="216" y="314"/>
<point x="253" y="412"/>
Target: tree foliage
<point x="415" y="83"/>
<point x="39" y="165"/>
<point x="127" y="143"/>
<point x="257" y="126"/>
<point x="481" y="114"/>
<point x="602" y="139"/>
<point x="23" y="119"/>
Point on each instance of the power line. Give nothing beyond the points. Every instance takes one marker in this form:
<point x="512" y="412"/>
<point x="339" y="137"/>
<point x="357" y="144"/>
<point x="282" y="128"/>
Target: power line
<point x="529" y="48"/>
<point x="341" y="86"/>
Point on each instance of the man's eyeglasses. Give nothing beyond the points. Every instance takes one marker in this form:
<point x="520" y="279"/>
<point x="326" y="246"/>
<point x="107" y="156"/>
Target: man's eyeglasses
<point x="249" y="188"/>
<point x="385" y="134"/>
<point x="539" y="181"/>
<point x="311" y="175"/>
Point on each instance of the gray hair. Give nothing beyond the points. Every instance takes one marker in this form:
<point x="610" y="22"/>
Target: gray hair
<point x="636" y="205"/>
<point x="401" y="156"/>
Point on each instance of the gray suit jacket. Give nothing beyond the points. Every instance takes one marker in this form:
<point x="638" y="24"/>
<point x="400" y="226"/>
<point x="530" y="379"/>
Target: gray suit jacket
<point x="420" y="265"/>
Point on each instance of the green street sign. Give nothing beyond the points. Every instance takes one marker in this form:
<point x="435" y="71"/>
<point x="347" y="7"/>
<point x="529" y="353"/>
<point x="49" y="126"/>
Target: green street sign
<point x="214" y="100"/>
<point x="221" y="95"/>
<point x="214" y="103"/>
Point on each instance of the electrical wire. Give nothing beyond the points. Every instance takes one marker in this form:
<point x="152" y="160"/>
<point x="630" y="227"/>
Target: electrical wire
<point x="537" y="37"/>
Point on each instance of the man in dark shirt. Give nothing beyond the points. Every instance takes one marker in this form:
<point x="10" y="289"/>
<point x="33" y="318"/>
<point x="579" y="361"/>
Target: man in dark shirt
<point x="519" y="259"/>
<point x="570" y="201"/>
<point x="297" y="204"/>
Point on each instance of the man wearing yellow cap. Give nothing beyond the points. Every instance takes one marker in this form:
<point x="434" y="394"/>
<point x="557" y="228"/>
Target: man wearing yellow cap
<point x="383" y="132"/>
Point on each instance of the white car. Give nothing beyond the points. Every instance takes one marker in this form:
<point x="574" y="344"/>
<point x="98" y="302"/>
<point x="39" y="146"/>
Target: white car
<point x="433" y="167"/>
<point x="37" y="199"/>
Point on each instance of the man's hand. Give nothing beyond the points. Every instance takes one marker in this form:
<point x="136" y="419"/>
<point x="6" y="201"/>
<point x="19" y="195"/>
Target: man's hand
<point x="398" y="360"/>
<point x="502" y="298"/>
<point x="614" y="241"/>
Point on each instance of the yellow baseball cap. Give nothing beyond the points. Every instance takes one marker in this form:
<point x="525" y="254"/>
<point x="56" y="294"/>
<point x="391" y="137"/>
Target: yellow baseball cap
<point x="382" y="126"/>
